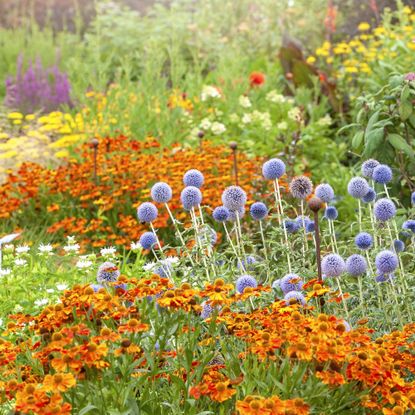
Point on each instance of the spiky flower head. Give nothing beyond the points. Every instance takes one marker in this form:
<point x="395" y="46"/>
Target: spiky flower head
<point x="273" y="169"/>
<point x="221" y="214"/>
<point x="370" y="196"/>
<point x="384" y="278"/>
<point x="358" y="187"/>
<point x="368" y="167"/>
<point x="356" y="265"/>
<point x="382" y="174"/>
<point x="384" y="209"/>
<point x="147" y="212"/>
<point x="291" y="226"/>
<point x="310" y="227"/>
<point x="207" y="310"/>
<point x="107" y="272"/>
<point x="193" y="178"/>
<point x="398" y="245"/>
<point x="147" y="240"/>
<point x="386" y="262"/>
<point x="301" y="187"/>
<point x="315" y="204"/>
<point x="291" y="282"/>
<point x="258" y="211"/>
<point x="324" y="192"/>
<point x="413" y="198"/>
<point x="333" y="265"/>
<point x="190" y="197"/>
<point x="410" y="225"/>
<point x="294" y="297"/>
<point x="302" y="220"/>
<point x="331" y="213"/>
<point x="363" y="240"/>
<point x="245" y="281"/>
<point x="247" y="263"/>
<point x="235" y="214"/>
<point x="161" y="192"/>
<point x="234" y="198"/>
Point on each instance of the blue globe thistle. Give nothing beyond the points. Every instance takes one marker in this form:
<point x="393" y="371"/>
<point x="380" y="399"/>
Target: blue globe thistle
<point x="301" y="187"/>
<point x="258" y="211"/>
<point x="273" y="169"/>
<point x="368" y="166"/>
<point x="291" y="282"/>
<point x="221" y="214"/>
<point x="291" y="226"/>
<point x="234" y="198"/>
<point x="300" y="220"/>
<point x="163" y="271"/>
<point x="233" y="214"/>
<point x="398" y="245"/>
<point x="384" y="278"/>
<point x="413" y="198"/>
<point x="193" y="178"/>
<point x="147" y="212"/>
<point x="310" y="227"/>
<point x="247" y="263"/>
<point x="409" y="225"/>
<point x="331" y="213"/>
<point x="382" y="174"/>
<point x="276" y="284"/>
<point x="107" y="272"/>
<point x="190" y="197"/>
<point x="356" y="265"/>
<point x="358" y="187"/>
<point x="324" y="192"/>
<point x="147" y="240"/>
<point x="384" y="209"/>
<point x="208" y="235"/>
<point x="207" y="311"/>
<point x="333" y="265"/>
<point x="96" y="287"/>
<point x="294" y="297"/>
<point x="363" y="240"/>
<point x="161" y="192"/>
<point x="370" y="196"/>
<point x="386" y="262"/>
<point x="245" y="281"/>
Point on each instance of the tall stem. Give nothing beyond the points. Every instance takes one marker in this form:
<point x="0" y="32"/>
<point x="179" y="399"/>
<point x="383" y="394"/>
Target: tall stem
<point x="265" y="249"/>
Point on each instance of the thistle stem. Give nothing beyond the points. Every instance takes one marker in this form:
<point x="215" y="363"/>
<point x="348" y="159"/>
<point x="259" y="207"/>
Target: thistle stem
<point x="265" y="249"/>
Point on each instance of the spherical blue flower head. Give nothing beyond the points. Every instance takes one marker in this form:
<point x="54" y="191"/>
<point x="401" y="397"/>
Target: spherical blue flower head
<point x="300" y="220"/>
<point x="368" y="166"/>
<point x="190" y="197"/>
<point x="363" y="240"/>
<point x="384" y="209"/>
<point x="273" y="169"/>
<point x="410" y="225"/>
<point x="356" y="265"/>
<point x="234" y="198"/>
<point x="398" y="245"/>
<point x="382" y="174"/>
<point x="413" y="198"/>
<point x="384" y="278"/>
<point x="310" y="227"/>
<point x="206" y="312"/>
<point x="258" y="211"/>
<point x="358" y="187"/>
<point x="107" y="272"/>
<point x="301" y="187"/>
<point x="193" y="178"/>
<point x="163" y="271"/>
<point x="147" y="212"/>
<point x="234" y="213"/>
<point x="96" y="287"/>
<point x="331" y="213"/>
<point x="208" y="235"/>
<point x="147" y="240"/>
<point x="221" y="214"/>
<point x="121" y="287"/>
<point x="161" y="192"/>
<point x="294" y="297"/>
<point x="324" y="192"/>
<point x="333" y="265"/>
<point x="291" y="282"/>
<point x="276" y="284"/>
<point x="291" y="226"/>
<point x="245" y="281"/>
<point x="248" y="262"/>
<point x="370" y="196"/>
<point x="386" y="262"/>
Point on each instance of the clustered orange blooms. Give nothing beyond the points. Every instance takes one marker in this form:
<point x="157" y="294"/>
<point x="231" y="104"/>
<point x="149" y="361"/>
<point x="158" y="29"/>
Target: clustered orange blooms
<point x="71" y="340"/>
<point x="102" y="211"/>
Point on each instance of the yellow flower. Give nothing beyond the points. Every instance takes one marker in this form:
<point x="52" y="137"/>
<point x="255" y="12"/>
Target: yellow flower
<point x="8" y="154"/>
<point x="407" y="10"/>
<point x="310" y="60"/>
<point x="17" y="122"/>
<point x="30" y="117"/>
<point x="15" y="116"/>
<point x="351" y="69"/>
<point x="363" y="26"/>
<point x="62" y="154"/>
<point x="3" y="136"/>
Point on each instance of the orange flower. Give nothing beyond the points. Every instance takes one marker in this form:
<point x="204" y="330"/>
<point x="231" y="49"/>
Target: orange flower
<point x="256" y="78"/>
<point x="59" y="382"/>
<point x="133" y="326"/>
<point x="221" y="391"/>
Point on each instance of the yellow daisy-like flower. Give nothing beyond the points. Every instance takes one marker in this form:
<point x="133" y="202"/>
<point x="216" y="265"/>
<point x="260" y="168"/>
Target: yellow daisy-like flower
<point x="310" y="60"/>
<point x="363" y="27"/>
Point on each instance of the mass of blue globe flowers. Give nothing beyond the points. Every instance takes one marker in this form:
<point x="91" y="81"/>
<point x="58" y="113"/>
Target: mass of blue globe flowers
<point x="293" y="236"/>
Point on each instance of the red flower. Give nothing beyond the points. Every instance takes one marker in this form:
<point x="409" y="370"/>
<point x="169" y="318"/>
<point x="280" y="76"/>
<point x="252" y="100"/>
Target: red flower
<point x="256" y="78"/>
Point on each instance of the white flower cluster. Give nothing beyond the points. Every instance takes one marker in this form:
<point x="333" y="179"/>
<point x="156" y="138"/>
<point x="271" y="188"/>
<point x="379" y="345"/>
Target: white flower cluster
<point x="274" y="97"/>
<point x="209" y="91"/>
<point x="258" y="117"/>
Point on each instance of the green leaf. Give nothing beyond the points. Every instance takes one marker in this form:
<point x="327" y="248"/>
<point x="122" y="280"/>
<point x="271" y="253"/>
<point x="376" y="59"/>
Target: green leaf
<point x="87" y="409"/>
<point x="372" y="120"/>
<point x="399" y="143"/>
<point x="373" y="140"/>
<point x="357" y="139"/>
<point x="405" y="110"/>
<point x="405" y="93"/>
<point x="346" y="127"/>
